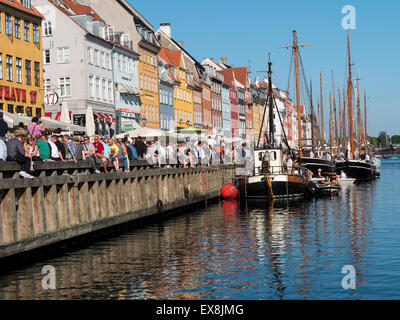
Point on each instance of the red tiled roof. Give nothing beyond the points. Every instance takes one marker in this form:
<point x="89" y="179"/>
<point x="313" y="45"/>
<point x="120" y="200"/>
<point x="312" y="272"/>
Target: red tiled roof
<point x="82" y="9"/>
<point x="172" y="57"/>
<point x="16" y="4"/>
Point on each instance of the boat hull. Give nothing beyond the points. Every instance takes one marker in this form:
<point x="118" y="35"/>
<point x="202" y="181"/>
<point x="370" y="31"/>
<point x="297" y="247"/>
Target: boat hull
<point x="359" y="170"/>
<point x="314" y="164"/>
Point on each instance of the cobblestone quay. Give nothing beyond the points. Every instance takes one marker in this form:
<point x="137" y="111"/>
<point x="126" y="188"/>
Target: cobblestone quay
<point x="66" y="201"/>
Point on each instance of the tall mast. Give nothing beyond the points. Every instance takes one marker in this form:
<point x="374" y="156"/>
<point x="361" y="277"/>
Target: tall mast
<point x="322" y="114"/>
<point x="331" y="137"/>
<point x="365" y="120"/>
<point x="359" y="118"/>
<point x="271" y="136"/>
<point x="344" y="121"/>
<point x="334" y="110"/>
<point x="295" y="48"/>
<point x="340" y="141"/>
<point x="319" y="123"/>
<point x="350" y="101"/>
<point x="312" y="119"/>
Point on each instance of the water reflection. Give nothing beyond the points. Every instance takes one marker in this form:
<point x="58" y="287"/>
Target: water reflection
<point x="251" y="250"/>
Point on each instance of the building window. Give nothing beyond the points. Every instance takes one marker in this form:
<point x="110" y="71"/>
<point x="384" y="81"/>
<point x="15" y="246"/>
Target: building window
<point x="36" y="35"/>
<point x="20" y="109"/>
<point x="18" y="69"/>
<point x="91" y="87"/>
<point x="26" y="31"/>
<point x="26" y="3"/>
<point x="90" y="54"/>
<point x="108" y="61"/>
<point x="9" y="68"/>
<point x="46" y="85"/>
<point x="104" y="90"/>
<point x="96" y="57"/>
<point x="17" y="27"/>
<point x="28" y="77"/>
<point x="48" y="30"/>
<point x="29" y="111"/>
<point x="63" y="55"/>
<point x="10" y="108"/>
<point x="141" y="81"/>
<point x="65" y="87"/>
<point x="110" y="95"/>
<point x="37" y="74"/>
<point x="8" y="25"/>
<point x="98" y="88"/>
<point x="38" y="112"/>
<point x="102" y="59"/>
<point x="47" y="59"/>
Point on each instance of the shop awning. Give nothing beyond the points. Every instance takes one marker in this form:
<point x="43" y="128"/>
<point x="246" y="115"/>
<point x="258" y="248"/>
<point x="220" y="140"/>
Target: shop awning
<point x="105" y="117"/>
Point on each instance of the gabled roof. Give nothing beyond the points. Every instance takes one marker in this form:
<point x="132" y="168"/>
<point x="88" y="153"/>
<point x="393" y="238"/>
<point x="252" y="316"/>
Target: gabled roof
<point x="79" y="9"/>
<point x="17" y="5"/>
<point x="172" y="57"/>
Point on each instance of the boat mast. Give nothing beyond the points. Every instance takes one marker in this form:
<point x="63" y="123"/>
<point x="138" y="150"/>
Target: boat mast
<point x="295" y="48"/>
<point x="365" y="120"/>
<point x="340" y="141"/>
<point x="334" y="111"/>
<point x="271" y="136"/>
<point x="312" y="119"/>
<point x="322" y="113"/>
<point x="331" y="137"/>
<point x="350" y="103"/>
<point x="359" y="118"/>
<point x="344" y="122"/>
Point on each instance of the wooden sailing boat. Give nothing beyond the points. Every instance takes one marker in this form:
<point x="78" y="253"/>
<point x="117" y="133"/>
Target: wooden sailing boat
<point x="357" y="169"/>
<point x="271" y="178"/>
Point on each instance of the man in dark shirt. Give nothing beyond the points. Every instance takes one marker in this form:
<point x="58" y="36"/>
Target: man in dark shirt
<point x="16" y="152"/>
<point x="3" y="127"/>
<point x="140" y="147"/>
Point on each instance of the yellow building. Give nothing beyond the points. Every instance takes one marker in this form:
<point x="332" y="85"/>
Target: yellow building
<point x="21" y="62"/>
<point x="183" y="93"/>
<point x="148" y="85"/>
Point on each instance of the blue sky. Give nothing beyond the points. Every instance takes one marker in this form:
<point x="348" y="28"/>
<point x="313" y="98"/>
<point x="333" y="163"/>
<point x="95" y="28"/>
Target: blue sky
<point x="243" y="31"/>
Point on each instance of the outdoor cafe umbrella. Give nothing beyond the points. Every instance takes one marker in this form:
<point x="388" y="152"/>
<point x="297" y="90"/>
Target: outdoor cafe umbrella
<point x="90" y="126"/>
<point x="65" y="113"/>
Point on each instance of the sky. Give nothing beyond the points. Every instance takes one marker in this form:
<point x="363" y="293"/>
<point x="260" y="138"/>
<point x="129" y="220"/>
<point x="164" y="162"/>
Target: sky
<point x="246" y="32"/>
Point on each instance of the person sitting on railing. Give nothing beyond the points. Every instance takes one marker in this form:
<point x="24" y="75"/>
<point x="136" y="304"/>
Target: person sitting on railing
<point x="3" y="150"/>
<point x="79" y="149"/>
<point x="16" y="152"/>
<point x="123" y="154"/>
<point x="100" y="152"/>
<point x="43" y="146"/>
<point x="56" y="149"/>
<point x="114" y="154"/>
<point x="32" y="151"/>
<point x="21" y="130"/>
<point x="89" y="153"/>
<point x="70" y="148"/>
<point x="3" y="127"/>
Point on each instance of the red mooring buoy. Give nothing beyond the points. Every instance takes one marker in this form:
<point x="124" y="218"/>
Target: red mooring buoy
<point x="229" y="191"/>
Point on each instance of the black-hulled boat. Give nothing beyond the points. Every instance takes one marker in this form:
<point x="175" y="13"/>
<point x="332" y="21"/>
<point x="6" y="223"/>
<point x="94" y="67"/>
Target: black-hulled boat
<point x="314" y="164"/>
<point x="357" y="169"/>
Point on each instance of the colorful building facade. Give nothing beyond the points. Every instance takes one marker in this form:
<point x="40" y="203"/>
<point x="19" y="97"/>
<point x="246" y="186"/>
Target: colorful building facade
<point x="21" y="59"/>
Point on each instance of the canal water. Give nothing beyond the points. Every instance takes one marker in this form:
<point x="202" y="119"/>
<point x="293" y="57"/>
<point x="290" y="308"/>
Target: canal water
<point x="248" y="251"/>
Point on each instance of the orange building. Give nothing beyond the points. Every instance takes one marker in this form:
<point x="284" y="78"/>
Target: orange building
<point x="21" y="62"/>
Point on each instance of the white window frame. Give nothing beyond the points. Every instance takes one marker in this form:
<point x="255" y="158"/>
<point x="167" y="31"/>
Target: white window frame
<point x="65" y="82"/>
<point x="63" y="55"/>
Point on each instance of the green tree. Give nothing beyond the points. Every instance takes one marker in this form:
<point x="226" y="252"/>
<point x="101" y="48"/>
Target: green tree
<point x="382" y="139"/>
<point x="396" y="139"/>
<point x="374" y="141"/>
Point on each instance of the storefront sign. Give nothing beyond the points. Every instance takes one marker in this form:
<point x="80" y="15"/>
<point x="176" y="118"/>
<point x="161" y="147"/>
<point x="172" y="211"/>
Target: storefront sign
<point x="17" y="95"/>
<point x="51" y="98"/>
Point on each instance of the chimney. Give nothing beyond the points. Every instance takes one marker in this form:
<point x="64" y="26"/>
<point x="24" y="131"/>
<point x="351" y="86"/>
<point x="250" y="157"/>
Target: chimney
<point x="180" y="43"/>
<point x="223" y="60"/>
<point x="166" y="28"/>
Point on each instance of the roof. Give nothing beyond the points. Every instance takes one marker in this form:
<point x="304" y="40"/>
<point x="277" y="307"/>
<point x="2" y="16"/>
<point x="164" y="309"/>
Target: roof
<point x="79" y="9"/>
<point x="17" y="5"/>
<point x="172" y="57"/>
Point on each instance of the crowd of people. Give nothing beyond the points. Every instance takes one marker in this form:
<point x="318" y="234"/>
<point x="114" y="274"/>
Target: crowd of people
<point x="32" y="144"/>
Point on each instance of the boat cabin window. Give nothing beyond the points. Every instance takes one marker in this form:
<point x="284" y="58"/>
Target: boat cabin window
<point x="273" y="155"/>
<point x="260" y="156"/>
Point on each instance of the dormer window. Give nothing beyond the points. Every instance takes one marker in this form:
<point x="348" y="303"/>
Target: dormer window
<point x="26" y="3"/>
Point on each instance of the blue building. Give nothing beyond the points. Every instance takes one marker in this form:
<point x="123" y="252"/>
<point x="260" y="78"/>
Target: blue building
<point x="226" y="110"/>
<point x="166" y="94"/>
<point x="127" y="101"/>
